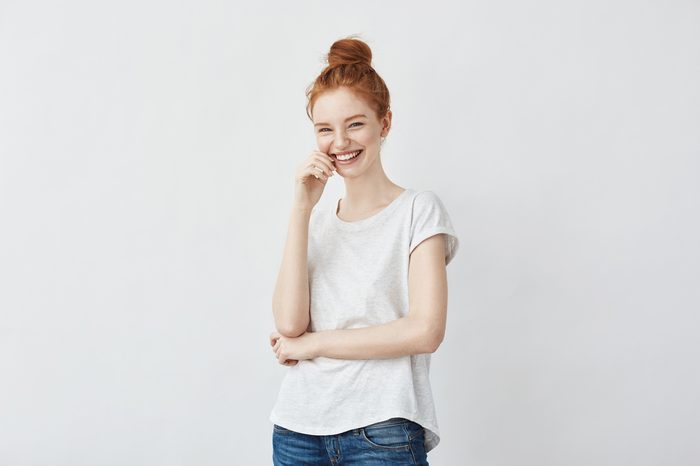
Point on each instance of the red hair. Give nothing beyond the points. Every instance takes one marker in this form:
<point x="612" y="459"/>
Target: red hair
<point x="350" y="65"/>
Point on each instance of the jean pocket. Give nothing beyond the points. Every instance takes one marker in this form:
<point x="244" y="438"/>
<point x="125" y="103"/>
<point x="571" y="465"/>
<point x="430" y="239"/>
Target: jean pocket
<point x="414" y="429"/>
<point x="390" y="435"/>
<point x="281" y="430"/>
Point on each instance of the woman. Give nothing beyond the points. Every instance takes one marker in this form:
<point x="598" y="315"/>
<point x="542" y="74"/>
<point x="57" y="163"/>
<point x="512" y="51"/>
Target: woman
<point x="361" y="296"/>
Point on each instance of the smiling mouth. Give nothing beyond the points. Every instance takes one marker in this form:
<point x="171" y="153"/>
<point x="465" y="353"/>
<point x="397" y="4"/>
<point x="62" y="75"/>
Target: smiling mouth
<point x="345" y="155"/>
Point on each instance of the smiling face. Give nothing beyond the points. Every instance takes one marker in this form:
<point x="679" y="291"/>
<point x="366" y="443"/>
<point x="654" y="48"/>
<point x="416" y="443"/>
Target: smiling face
<point x="345" y="123"/>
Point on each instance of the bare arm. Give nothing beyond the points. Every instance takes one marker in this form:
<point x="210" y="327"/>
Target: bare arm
<point x="421" y="331"/>
<point x="400" y="337"/>
<point x="290" y="302"/>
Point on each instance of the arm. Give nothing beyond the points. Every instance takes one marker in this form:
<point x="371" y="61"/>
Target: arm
<point x="421" y="331"/>
<point x="290" y="302"/>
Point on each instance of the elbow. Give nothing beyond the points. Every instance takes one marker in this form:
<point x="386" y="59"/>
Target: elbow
<point x="433" y="339"/>
<point x="287" y="326"/>
<point x="291" y="329"/>
<point x="433" y="345"/>
<point x="429" y="335"/>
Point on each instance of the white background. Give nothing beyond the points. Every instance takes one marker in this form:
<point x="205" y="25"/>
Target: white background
<point x="147" y="159"/>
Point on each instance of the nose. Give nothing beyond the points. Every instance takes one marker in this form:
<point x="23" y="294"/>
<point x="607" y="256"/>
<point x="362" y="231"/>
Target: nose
<point x="340" y="141"/>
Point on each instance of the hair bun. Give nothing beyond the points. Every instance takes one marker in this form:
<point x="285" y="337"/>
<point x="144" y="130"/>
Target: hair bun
<point x="349" y="51"/>
<point x="350" y="66"/>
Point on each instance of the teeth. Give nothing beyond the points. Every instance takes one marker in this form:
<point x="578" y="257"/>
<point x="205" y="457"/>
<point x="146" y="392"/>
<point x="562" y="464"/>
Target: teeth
<point x="348" y="156"/>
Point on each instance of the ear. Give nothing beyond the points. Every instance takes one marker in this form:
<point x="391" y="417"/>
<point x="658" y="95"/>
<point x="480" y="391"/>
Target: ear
<point x="386" y="124"/>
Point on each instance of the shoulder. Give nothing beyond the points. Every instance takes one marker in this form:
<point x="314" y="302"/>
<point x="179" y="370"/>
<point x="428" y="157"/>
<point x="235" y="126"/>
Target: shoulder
<point x="320" y="220"/>
<point x="430" y="217"/>
<point x="425" y="196"/>
<point x="427" y="200"/>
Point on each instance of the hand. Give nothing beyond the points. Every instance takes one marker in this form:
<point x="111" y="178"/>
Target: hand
<point x="290" y="351"/>
<point x="310" y="181"/>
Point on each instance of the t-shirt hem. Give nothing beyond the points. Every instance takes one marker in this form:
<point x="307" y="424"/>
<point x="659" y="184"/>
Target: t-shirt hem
<point x="451" y="243"/>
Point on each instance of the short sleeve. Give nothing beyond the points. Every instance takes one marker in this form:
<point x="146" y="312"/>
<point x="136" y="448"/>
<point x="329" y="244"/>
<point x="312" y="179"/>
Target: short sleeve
<point x="429" y="218"/>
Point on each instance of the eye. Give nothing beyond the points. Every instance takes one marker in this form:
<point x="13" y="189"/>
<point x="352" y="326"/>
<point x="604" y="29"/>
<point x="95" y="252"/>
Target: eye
<point x="322" y="130"/>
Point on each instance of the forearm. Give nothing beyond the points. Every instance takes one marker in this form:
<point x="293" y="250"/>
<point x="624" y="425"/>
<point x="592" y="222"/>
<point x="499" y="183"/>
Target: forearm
<point x="290" y="303"/>
<point x="400" y="337"/>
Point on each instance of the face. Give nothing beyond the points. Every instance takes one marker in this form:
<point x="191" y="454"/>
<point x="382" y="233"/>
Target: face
<point x="344" y="122"/>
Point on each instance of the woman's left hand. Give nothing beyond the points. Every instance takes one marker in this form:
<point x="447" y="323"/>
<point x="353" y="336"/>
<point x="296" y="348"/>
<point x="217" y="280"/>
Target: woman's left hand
<point x="289" y="351"/>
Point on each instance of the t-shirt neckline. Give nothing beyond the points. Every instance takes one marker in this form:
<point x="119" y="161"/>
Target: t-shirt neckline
<point x="369" y="221"/>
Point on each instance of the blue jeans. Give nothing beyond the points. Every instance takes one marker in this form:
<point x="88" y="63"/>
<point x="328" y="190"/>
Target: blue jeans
<point x="396" y="441"/>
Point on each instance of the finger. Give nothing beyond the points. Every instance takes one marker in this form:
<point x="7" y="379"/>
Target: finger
<point x="326" y="160"/>
<point x="321" y="168"/>
<point x="328" y="163"/>
<point x="321" y="178"/>
<point x="322" y="154"/>
<point x="319" y="171"/>
<point x="316" y="173"/>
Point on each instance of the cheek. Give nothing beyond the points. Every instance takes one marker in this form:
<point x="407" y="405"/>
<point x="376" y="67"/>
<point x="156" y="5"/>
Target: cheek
<point x="368" y="138"/>
<point x="321" y="144"/>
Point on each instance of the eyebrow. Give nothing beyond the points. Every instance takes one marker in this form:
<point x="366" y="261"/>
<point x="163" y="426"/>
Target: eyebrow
<point x="348" y="118"/>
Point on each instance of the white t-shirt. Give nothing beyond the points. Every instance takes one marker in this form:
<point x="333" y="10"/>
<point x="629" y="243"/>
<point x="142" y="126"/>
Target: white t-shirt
<point x="358" y="277"/>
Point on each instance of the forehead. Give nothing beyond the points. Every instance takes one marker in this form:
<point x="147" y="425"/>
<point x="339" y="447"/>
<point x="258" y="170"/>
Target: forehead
<point x="338" y="104"/>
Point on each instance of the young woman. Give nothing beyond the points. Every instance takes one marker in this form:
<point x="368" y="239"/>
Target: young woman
<point x="361" y="296"/>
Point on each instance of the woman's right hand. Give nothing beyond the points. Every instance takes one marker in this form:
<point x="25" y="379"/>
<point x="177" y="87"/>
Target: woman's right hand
<point x="310" y="181"/>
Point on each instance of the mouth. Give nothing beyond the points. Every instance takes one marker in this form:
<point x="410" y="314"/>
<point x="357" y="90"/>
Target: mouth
<point x="346" y="156"/>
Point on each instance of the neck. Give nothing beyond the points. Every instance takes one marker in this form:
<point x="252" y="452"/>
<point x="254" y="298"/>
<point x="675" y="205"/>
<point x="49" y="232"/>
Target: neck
<point x="368" y="191"/>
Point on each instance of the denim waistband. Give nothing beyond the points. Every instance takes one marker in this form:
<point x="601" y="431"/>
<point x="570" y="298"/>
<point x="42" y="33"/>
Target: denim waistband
<point x="389" y="422"/>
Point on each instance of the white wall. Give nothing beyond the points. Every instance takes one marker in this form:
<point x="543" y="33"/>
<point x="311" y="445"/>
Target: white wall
<point x="147" y="158"/>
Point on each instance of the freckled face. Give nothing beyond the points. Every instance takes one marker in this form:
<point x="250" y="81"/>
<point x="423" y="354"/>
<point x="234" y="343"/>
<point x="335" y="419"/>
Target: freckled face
<point x="344" y="122"/>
